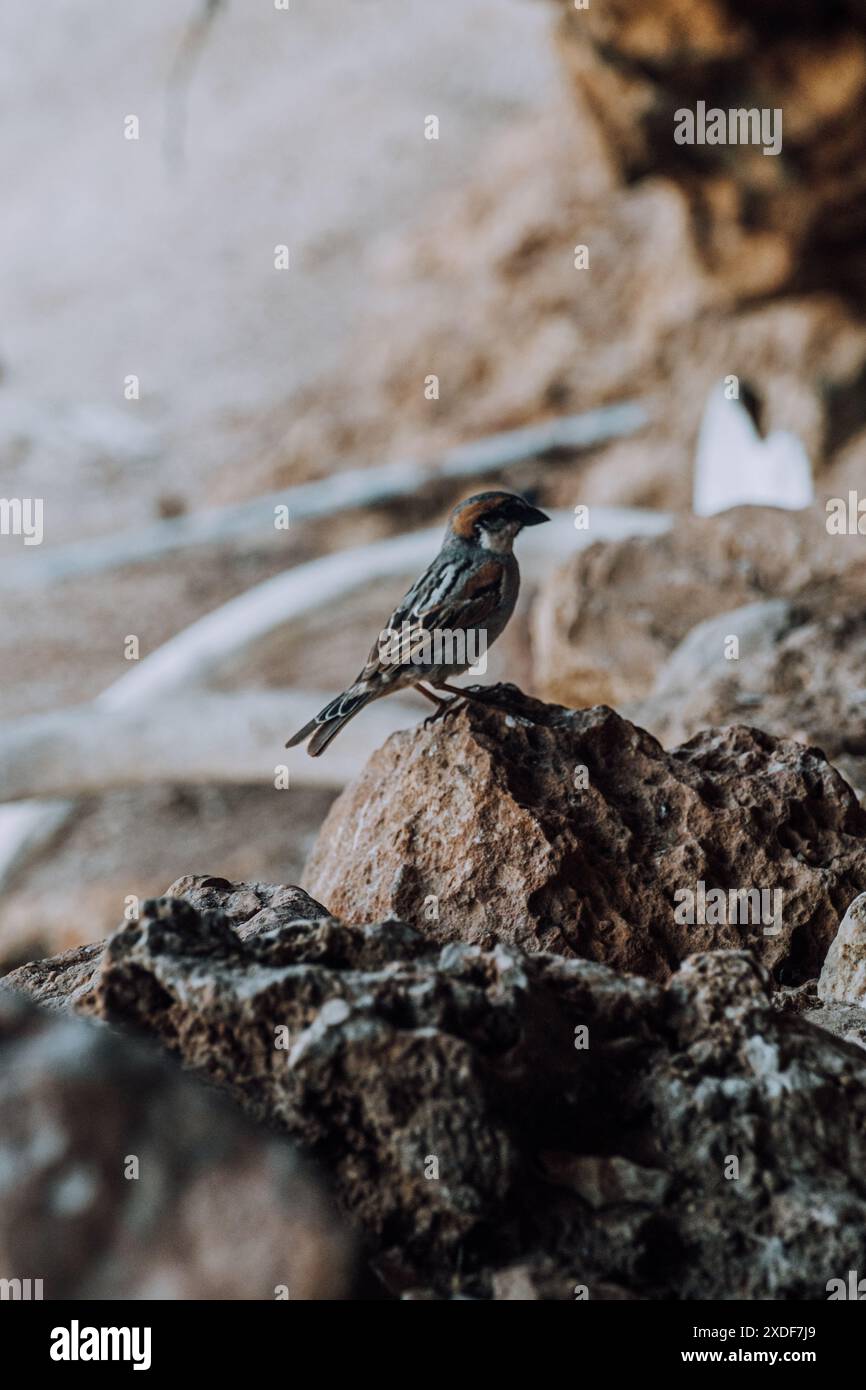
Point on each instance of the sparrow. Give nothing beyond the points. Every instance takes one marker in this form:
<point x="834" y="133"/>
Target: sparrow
<point x="468" y="591"/>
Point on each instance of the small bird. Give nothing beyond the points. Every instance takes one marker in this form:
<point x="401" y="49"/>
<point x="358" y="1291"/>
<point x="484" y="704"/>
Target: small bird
<point x="470" y="588"/>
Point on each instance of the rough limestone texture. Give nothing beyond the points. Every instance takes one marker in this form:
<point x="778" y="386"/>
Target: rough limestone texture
<point x="574" y="831"/>
<point x="843" y="977"/>
<point x="634" y="66"/>
<point x="645" y="626"/>
<point x="251" y="908"/>
<point x="510" y="1126"/>
<point x="123" y="1179"/>
<point x="845" y="1021"/>
<point x="799" y="674"/>
<point x="605" y="624"/>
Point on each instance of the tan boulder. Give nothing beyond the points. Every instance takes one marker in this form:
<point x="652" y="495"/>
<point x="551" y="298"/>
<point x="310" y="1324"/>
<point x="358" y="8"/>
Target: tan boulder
<point x="607" y="621"/>
<point x="574" y="831"/>
<point x="843" y="977"/>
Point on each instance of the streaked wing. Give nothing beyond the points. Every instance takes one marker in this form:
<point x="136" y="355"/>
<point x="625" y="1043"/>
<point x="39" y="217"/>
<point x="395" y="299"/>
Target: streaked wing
<point x="454" y="595"/>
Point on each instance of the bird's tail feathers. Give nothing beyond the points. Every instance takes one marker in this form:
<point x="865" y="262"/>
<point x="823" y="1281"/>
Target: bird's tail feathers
<point x="326" y="732"/>
<point x="329" y="721"/>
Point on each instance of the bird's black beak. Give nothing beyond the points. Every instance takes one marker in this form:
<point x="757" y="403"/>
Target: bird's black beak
<point x="531" y="516"/>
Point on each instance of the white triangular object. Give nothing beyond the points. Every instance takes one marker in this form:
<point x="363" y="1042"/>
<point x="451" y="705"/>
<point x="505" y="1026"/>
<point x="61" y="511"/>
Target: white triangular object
<point x="735" y="467"/>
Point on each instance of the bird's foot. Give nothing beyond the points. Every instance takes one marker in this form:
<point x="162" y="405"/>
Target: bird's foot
<point x="502" y="694"/>
<point x="446" y="707"/>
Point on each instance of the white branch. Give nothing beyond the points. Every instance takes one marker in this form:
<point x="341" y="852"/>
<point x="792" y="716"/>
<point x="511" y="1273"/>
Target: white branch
<point x="362" y="487"/>
<point x="222" y="641"/>
<point x="194" y="739"/>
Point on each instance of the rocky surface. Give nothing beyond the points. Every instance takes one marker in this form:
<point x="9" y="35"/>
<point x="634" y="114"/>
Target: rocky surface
<point x="124" y="1179"/>
<point x="252" y="909"/>
<point x="519" y="1127"/>
<point x="843" y="977"/>
<point x="845" y="1021"/>
<point x="646" y="318"/>
<point x="793" y="215"/>
<point x="574" y="831"/>
<point x="646" y="626"/>
<point x="799" y="674"/>
<point x="605" y="624"/>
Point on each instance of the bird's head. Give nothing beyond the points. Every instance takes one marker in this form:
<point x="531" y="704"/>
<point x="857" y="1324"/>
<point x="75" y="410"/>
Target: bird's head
<point x="493" y="519"/>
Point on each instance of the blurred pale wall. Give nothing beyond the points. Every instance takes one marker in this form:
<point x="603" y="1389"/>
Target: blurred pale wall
<point x="302" y="127"/>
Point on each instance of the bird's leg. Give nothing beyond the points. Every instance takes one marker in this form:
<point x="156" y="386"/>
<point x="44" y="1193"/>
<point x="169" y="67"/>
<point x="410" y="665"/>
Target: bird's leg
<point x="445" y="706"/>
<point x="483" y="694"/>
<point x="428" y="695"/>
<point x="442" y="706"/>
<point x="500" y="694"/>
<point x="452" y="689"/>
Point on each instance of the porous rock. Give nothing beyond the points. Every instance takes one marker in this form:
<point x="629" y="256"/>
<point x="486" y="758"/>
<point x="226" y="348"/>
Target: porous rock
<point x="251" y="908"/>
<point x="574" y="831"/>
<point x="634" y="67"/>
<point x="122" y="1178"/>
<point x="845" y="1021"/>
<point x="647" y="626"/>
<point x="605" y="623"/>
<point x="843" y="977"/>
<point x="799" y="674"/>
<point x="517" y="1126"/>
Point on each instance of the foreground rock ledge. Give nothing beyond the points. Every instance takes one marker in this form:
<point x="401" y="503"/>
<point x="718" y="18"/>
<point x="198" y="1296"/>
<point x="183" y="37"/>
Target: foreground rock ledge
<point x="124" y="1179"/>
<point x="503" y="1125"/>
<point x="479" y="828"/>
